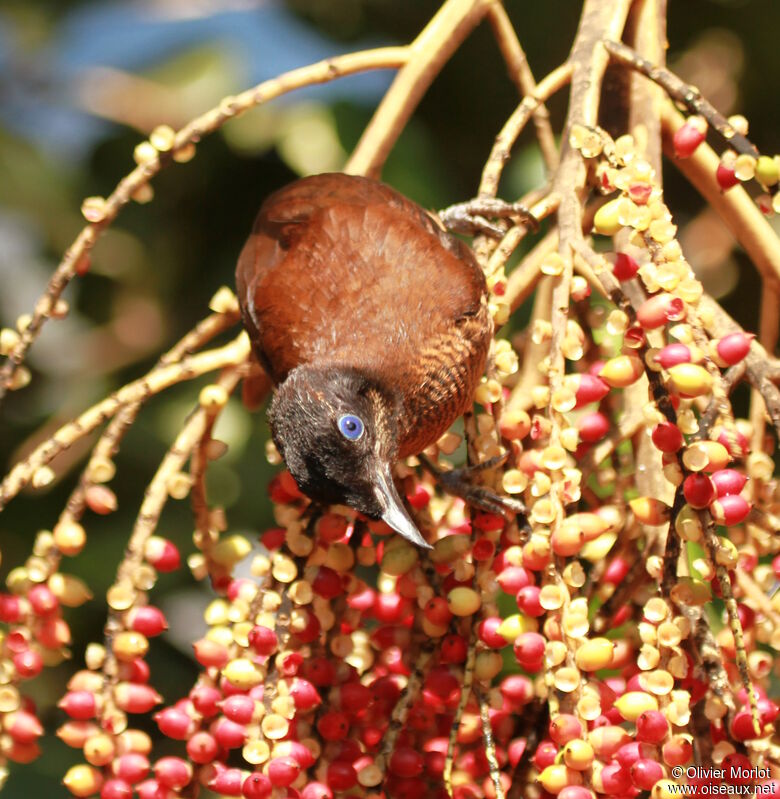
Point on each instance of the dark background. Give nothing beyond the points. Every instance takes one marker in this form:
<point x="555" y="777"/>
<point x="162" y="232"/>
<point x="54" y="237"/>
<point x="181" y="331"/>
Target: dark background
<point x="81" y="83"/>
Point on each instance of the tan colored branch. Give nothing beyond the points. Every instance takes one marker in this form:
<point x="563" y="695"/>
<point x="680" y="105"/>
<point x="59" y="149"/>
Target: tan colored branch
<point x="234" y="353"/>
<point x="520" y="73"/>
<point x="513" y="127"/>
<point x="758" y="364"/>
<point x="735" y="207"/>
<point x="682" y="92"/>
<point x="427" y="54"/>
<point x="181" y="147"/>
<point x="155" y="498"/>
<point x="108" y="444"/>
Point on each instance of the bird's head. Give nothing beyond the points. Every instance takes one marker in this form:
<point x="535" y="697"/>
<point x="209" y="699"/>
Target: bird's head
<point x="336" y="429"/>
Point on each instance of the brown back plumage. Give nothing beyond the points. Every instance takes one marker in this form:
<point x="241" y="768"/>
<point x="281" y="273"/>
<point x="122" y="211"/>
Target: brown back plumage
<point x="345" y="271"/>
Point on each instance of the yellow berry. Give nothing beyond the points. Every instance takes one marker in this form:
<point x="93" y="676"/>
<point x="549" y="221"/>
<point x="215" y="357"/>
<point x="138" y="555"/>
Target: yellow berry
<point x="83" y="781"/>
<point x="242" y="673"/>
<point x="634" y="703"/>
<point x="607" y="219"/>
<point x="578" y="754"/>
<point x="463" y="601"/>
<point x="594" y="654"/>
<point x="690" y="379"/>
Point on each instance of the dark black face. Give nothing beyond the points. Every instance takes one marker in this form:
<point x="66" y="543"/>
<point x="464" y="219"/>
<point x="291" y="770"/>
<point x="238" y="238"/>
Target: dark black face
<point x="336" y="431"/>
<point x="333" y="429"/>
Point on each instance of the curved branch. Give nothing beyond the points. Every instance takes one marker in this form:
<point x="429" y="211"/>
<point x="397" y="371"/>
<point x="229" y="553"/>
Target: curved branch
<point x="427" y="55"/>
<point x="738" y="212"/>
<point x="520" y="73"/>
<point x="181" y="147"/>
<point x="139" y="390"/>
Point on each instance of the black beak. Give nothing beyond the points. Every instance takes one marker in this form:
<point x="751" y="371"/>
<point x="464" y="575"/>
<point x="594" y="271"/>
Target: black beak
<point x="393" y="511"/>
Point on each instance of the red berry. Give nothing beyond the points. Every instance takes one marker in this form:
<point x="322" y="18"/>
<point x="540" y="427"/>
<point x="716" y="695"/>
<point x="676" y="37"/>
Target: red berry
<point x="406" y="762"/>
<point x="513" y="578"/>
<point x="239" y="708"/>
<point x="228" y="782"/>
<point x="327" y="583"/>
<point x="615" y="778"/>
<point x="699" y="490"/>
<point x="616" y="570"/>
<point x="454" y="649"/>
<point x="742" y="726"/>
<point x="734" y="347"/>
<point x="677" y="751"/>
<point x="135" y="697"/>
<point x="686" y="139"/>
<point x="645" y="773"/>
<point x="116" y="789"/>
<point x="23" y="726"/>
<point x="174" y="723"/>
<point x="42" y="600"/>
<point x="263" y="640"/>
<point x="131" y="767"/>
<point x="10" y="609"/>
<point x="728" y="481"/>
<point x="545" y="755"/>
<point x="564" y="728"/>
<point x="529" y="651"/>
<point x="625" y="267"/>
<point x="730" y="509"/>
<point x="341" y="776"/>
<point x="589" y="388"/>
<point x="652" y="727"/>
<point x="726" y="176"/>
<point x="332" y="527"/>
<point x="420" y="497"/>
<point x="355" y="697"/>
<point x="273" y="538"/>
<point x="162" y="554"/>
<point x="172" y="772"/>
<point x="202" y="748"/>
<point x="316" y="790"/>
<point x="148" y="620"/>
<point x="79" y="705"/>
<point x="304" y="694"/>
<point x="517" y="689"/>
<point x="229" y="734"/>
<point x="528" y="601"/>
<point x="437" y="611"/>
<point x="486" y="631"/>
<point x="672" y="354"/>
<point x="333" y="726"/>
<point x="258" y="786"/>
<point x="593" y="427"/>
<point x="282" y="771"/>
<point x="660" y="309"/>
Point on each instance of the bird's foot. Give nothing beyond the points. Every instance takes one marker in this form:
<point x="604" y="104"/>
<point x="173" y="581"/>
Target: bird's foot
<point x="460" y="483"/>
<point x="474" y="216"/>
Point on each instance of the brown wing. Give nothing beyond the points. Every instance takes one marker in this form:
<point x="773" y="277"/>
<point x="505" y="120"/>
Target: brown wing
<point x="343" y="270"/>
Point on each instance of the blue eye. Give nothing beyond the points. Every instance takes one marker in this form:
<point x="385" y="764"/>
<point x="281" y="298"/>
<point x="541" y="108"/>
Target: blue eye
<point x="351" y="427"/>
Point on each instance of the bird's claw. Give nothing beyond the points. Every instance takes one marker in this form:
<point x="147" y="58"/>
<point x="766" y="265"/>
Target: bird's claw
<point x="473" y="217"/>
<point x="460" y="483"/>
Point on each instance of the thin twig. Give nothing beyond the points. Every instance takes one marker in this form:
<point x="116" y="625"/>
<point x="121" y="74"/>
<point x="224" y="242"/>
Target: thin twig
<point x="735" y="208"/>
<point x="427" y="54"/>
<point x="520" y="72"/>
<point x="139" y="390"/>
<point x="183" y="142"/>
<point x="684" y="93"/>
<point x="513" y="127"/>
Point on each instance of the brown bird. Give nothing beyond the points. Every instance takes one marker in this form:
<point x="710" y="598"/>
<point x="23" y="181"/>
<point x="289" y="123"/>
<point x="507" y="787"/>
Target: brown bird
<point x="373" y="323"/>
